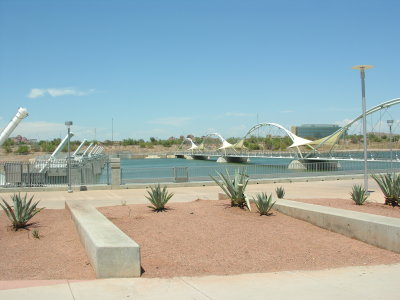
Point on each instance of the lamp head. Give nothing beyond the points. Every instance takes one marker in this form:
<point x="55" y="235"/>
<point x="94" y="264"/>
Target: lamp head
<point x="362" y="67"/>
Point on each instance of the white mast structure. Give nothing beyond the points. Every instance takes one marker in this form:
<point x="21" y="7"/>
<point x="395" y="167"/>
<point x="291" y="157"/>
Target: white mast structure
<point x="20" y="115"/>
<point x="79" y="148"/>
<point x="87" y="149"/>
<point x="58" y="150"/>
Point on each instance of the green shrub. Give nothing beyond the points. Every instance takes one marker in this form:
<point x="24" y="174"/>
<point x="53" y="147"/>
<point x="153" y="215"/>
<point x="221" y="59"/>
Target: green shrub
<point x="263" y="203"/>
<point x="21" y="211"/>
<point x="234" y="187"/>
<point x="358" y="194"/>
<point x="390" y="187"/>
<point x="280" y="192"/>
<point x="158" y="197"/>
<point x="35" y="148"/>
<point x="7" y="148"/>
<point x="23" y="149"/>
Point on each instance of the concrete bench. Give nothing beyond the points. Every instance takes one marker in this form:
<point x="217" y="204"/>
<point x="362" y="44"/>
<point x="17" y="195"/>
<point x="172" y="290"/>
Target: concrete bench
<point x="111" y="252"/>
<point x="380" y="231"/>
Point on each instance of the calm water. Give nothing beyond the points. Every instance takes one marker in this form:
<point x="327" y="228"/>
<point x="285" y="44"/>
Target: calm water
<point x="179" y="162"/>
<point x="175" y="170"/>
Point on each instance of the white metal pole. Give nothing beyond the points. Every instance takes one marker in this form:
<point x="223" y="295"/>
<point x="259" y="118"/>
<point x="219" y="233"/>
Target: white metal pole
<point x="364" y="130"/>
<point x="92" y="151"/>
<point x="79" y="148"/>
<point x="68" y="124"/>
<point x="87" y="149"/>
<point x="390" y="123"/>
<point x="362" y="69"/>
<point x="391" y="150"/>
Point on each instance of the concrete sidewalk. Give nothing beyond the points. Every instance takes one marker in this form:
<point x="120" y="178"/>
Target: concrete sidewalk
<point x="373" y="282"/>
<point x="294" y="190"/>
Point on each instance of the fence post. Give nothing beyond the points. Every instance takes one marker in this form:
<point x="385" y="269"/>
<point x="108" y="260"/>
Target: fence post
<point x="115" y="164"/>
<point x="108" y="171"/>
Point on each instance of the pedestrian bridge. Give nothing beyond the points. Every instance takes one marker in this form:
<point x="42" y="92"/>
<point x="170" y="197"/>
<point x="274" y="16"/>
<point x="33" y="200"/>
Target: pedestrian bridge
<point x="302" y="151"/>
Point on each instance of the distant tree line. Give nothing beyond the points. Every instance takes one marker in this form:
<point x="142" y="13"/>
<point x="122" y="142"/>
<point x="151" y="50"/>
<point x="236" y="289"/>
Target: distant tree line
<point x="42" y="146"/>
<point x="153" y="142"/>
<point x="273" y="143"/>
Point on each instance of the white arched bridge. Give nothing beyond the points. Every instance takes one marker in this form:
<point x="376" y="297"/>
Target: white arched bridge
<point x="301" y="150"/>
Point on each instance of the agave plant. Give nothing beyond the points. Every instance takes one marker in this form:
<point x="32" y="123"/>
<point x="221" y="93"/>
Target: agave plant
<point x="158" y="197"/>
<point x="21" y="211"/>
<point x="390" y="187"/>
<point x="280" y="192"/>
<point x="358" y="194"/>
<point x="263" y="203"/>
<point x="234" y="187"/>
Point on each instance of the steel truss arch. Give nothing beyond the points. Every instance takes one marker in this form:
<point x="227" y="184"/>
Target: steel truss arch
<point x="225" y="143"/>
<point x="193" y="146"/>
<point x="296" y="140"/>
<point x="334" y="137"/>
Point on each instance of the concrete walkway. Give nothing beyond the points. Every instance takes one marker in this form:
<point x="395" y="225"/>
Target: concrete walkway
<point x="377" y="282"/>
<point x="294" y="190"/>
<point x="364" y="282"/>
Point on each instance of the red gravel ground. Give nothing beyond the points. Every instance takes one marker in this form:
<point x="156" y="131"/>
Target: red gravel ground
<point x="197" y="238"/>
<point x="58" y="254"/>
<point x="210" y="237"/>
<point x="368" y="207"/>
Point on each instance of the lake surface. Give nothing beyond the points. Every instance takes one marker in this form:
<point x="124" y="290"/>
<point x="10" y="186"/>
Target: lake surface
<point x="176" y="170"/>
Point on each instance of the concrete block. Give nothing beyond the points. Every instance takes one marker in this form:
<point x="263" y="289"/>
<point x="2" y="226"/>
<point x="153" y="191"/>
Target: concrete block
<point x="111" y="252"/>
<point x="115" y="164"/>
<point x="380" y="231"/>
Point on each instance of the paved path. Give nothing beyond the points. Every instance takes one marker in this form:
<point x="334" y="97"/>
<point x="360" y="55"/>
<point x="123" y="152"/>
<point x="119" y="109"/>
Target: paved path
<point x="364" y="283"/>
<point x="294" y="190"/>
<point x="372" y="282"/>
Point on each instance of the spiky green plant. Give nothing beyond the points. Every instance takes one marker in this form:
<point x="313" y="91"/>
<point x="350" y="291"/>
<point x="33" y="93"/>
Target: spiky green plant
<point x="21" y="211"/>
<point x="158" y="197"/>
<point x="358" y="194"/>
<point x="390" y="187"/>
<point x="234" y="187"/>
<point x="35" y="234"/>
<point x="263" y="203"/>
<point x="280" y="192"/>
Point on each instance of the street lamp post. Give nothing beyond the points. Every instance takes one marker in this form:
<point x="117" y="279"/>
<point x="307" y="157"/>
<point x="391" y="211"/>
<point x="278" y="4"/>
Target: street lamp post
<point x="390" y="123"/>
<point x="362" y="69"/>
<point x="69" y="124"/>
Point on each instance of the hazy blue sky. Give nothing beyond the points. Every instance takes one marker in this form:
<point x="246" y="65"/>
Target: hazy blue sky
<point x="170" y="68"/>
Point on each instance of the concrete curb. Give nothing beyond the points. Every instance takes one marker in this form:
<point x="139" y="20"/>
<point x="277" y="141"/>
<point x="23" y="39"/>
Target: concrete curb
<point x="380" y="231"/>
<point x="111" y="252"/>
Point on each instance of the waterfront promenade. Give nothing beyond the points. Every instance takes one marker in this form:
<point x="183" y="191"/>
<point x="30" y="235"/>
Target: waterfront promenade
<point x="207" y="191"/>
<point x="363" y="282"/>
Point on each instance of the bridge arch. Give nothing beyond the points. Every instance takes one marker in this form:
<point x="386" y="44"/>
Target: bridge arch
<point x="296" y="140"/>
<point x="189" y="141"/>
<point x="224" y="143"/>
<point x="332" y="139"/>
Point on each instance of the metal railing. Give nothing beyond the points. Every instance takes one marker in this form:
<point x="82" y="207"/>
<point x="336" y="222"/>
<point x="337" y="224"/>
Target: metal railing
<point x="41" y="173"/>
<point x="239" y="154"/>
<point x="254" y="171"/>
<point x="356" y="154"/>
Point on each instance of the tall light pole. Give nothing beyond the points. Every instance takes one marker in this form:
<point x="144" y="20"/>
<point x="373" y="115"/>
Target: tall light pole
<point x="362" y="69"/>
<point x="69" y="124"/>
<point x="112" y="130"/>
<point x="390" y="123"/>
